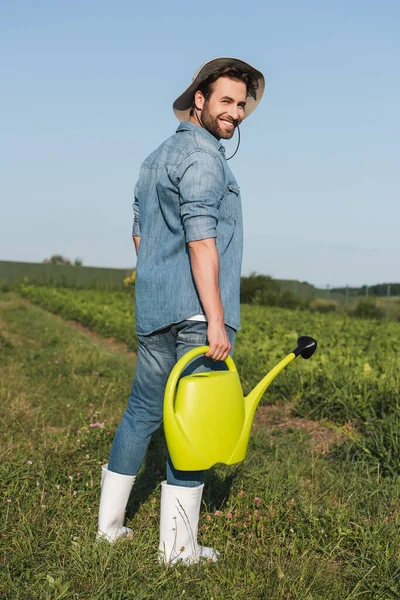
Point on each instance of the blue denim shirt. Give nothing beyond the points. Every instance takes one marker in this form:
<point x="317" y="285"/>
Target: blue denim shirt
<point x="185" y="192"/>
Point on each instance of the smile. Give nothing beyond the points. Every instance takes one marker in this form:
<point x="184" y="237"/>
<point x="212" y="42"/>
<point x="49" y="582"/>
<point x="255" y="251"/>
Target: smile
<point x="227" y="123"/>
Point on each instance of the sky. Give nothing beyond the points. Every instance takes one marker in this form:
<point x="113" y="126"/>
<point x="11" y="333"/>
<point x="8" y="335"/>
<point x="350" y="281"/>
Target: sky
<point x="86" y="93"/>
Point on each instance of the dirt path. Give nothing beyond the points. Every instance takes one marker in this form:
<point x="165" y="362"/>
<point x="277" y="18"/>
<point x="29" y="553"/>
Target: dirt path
<point x="110" y="343"/>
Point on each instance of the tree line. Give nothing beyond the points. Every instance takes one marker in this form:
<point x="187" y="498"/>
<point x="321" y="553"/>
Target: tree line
<point x="380" y="289"/>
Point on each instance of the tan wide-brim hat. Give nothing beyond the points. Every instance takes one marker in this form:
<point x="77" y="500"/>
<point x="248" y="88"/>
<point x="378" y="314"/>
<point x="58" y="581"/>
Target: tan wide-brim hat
<point x="183" y="104"/>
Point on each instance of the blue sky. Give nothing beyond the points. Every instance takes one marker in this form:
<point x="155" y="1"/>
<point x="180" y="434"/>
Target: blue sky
<point x="86" y="90"/>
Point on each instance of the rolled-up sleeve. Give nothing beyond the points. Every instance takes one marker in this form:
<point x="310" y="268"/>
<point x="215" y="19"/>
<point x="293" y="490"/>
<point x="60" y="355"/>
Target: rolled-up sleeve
<point x="136" y="222"/>
<point x="200" y="180"/>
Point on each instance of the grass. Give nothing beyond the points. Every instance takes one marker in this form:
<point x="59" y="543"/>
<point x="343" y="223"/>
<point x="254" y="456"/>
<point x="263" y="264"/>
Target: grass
<point x="290" y="523"/>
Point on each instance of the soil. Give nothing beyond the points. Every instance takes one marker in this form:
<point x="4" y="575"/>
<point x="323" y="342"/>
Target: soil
<point x="280" y="416"/>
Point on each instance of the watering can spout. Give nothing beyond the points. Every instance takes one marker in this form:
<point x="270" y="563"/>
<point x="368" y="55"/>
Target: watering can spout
<point x="306" y="347"/>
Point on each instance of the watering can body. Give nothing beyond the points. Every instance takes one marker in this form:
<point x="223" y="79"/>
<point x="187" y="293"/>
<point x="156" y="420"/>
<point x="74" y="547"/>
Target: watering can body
<point x="206" y="418"/>
<point x="215" y="428"/>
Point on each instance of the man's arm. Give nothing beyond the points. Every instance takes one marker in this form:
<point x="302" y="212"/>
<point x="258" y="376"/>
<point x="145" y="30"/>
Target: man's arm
<point x="201" y="183"/>
<point x="136" y="241"/>
<point x="204" y="260"/>
<point x="136" y="220"/>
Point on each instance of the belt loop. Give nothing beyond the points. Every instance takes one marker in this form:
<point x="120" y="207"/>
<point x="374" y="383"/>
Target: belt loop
<point x="173" y="331"/>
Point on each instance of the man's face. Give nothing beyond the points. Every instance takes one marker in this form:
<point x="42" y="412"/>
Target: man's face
<point x="224" y="110"/>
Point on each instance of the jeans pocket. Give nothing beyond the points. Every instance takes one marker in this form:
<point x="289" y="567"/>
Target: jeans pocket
<point x="148" y="340"/>
<point x="193" y="333"/>
<point x="194" y="339"/>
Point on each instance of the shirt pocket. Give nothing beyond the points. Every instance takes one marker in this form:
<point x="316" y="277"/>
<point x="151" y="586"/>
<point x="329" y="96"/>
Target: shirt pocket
<point x="230" y="204"/>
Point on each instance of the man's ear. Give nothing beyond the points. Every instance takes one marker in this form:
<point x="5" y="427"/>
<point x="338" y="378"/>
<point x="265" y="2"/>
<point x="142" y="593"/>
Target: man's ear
<point x="199" y="100"/>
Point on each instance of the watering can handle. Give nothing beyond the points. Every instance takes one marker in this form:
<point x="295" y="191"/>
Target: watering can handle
<point x="183" y="362"/>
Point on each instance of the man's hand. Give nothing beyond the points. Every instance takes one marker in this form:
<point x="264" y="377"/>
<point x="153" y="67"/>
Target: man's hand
<point x="218" y="339"/>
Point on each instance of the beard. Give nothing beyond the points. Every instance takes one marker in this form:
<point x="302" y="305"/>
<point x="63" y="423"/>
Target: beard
<point x="212" y="124"/>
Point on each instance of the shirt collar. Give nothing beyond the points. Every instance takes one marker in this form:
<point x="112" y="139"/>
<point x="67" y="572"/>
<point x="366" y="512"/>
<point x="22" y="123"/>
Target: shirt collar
<point x="189" y="126"/>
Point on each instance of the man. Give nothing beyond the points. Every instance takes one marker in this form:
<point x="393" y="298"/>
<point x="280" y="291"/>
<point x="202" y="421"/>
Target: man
<point x="187" y="232"/>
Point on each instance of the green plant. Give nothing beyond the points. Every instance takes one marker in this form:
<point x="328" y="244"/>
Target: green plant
<point x="4" y="286"/>
<point x="367" y="309"/>
<point x="323" y="305"/>
<point x="288" y="299"/>
<point x="130" y="281"/>
<point x="256" y="287"/>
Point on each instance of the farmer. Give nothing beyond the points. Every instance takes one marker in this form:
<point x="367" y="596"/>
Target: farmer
<point x="187" y="232"/>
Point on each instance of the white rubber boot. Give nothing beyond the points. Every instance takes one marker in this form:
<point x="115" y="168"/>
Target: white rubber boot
<point x="115" y="491"/>
<point x="180" y="509"/>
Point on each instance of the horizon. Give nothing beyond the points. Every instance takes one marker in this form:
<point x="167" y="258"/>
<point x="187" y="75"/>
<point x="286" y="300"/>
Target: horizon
<point x="303" y="282"/>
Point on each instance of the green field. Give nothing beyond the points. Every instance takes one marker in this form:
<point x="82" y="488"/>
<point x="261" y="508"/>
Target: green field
<point x="323" y="460"/>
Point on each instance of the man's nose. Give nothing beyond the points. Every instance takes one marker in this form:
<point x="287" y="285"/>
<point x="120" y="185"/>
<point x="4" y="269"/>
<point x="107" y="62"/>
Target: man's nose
<point x="234" y="113"/>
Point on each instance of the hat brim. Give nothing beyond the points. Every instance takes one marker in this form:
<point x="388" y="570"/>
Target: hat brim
<point x="183" y="104"/>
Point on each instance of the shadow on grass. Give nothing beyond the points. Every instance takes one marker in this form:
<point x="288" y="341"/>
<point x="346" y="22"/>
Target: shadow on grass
<point x="150" y="475"/>
<point x="217" y="483"/>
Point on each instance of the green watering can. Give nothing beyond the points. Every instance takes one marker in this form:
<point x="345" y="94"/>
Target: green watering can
<point x="206" y="418"/>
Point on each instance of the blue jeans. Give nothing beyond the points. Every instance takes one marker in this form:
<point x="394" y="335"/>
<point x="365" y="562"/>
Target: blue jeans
<point x="157" y="354"/>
